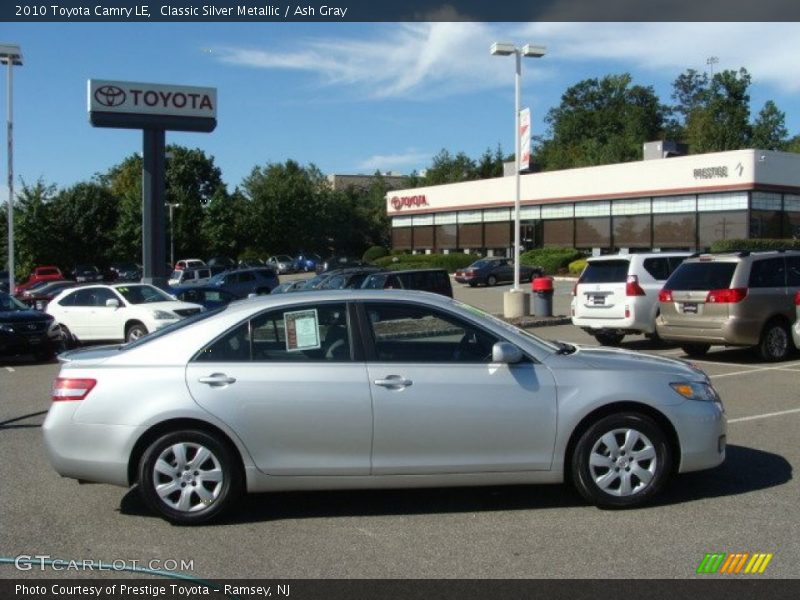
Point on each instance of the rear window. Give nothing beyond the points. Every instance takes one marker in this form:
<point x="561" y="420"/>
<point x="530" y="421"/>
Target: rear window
<point x="605" y="271"/>
<point x="702" y="276"/>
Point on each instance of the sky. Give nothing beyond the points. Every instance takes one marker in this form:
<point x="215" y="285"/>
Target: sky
<point x="352" y="97"/>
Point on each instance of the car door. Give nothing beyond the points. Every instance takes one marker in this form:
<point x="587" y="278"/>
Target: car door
<point x="74" y="312"/>
<point x="441" y="406"/>
<point x="504" y="271"/>
<point x="289" y="383"/>
<point x="106" y="322"/>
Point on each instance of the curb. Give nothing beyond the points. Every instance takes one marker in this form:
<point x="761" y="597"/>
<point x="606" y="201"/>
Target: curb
<point x="531" y="322"/>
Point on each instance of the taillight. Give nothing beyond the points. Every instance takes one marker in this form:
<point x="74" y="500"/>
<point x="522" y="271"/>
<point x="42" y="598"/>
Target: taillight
<point x="632" y="287"/>
<point x="66" y="389"/>
<point x="575" y="288"/>
<point x="726" y="296"/>
<point x="797" y="298"/>
<point x="665" y="295"/>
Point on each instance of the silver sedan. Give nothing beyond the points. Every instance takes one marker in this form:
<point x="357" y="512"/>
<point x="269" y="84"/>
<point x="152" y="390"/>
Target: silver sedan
<point x="372" y="389"/>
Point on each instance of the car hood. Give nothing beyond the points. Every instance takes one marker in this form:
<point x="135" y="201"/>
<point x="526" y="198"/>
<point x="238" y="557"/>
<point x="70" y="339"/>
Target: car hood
<point x="616" y="359"/>
<point x="23" y="316"/>
<point x="168" y="305"/>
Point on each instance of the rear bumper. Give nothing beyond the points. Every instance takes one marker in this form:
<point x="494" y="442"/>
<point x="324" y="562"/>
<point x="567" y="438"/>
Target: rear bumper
<point x="730" y="332"/>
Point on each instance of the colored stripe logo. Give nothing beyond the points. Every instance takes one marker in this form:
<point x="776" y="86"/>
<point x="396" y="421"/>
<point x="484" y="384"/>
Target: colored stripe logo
<point x="734" y="563"/>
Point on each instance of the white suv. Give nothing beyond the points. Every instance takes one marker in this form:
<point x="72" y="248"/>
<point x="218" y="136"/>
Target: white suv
<point x="617" y="294"/>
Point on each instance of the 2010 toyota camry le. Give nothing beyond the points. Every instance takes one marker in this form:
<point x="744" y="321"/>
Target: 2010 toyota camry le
<point x="372" y="389"/>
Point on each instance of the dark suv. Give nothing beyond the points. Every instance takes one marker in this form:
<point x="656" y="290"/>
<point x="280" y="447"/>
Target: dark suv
<point x="425" y="280"/>
<point x="244" y="282"/>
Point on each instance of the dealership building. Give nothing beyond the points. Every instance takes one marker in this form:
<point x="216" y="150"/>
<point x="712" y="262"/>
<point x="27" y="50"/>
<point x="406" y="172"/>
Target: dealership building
<point x="683" y="202"/>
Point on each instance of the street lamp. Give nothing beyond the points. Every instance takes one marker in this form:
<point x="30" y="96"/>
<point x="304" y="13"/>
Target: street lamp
<point x="533" y="51"/>
<point x="10" y="55"/>
<point x="171" y="206"/>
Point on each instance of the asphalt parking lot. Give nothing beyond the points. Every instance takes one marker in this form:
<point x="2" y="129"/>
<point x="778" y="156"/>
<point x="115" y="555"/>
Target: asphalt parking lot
<point x="747" y="505"/>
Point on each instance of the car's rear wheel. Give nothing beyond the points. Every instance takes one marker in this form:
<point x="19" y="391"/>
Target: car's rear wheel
<point x="775" y="342"/>
<point x="189" y="477"/>
<point x="491" y="280"/>
<point x="609" y="339"/>
<point x="621" y="461"/>
<point x="135" y="331"/>
<point x="695" y="350"/>
<point x="70" y="341"/>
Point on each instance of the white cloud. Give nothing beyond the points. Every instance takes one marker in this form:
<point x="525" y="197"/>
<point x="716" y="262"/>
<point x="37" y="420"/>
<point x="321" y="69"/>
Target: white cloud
<point x="390" y="162"/>
<point x="440" y="59"/>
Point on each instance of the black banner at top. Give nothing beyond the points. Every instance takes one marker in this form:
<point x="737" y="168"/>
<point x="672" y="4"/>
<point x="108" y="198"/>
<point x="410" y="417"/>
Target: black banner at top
<point x="404" y="10"/>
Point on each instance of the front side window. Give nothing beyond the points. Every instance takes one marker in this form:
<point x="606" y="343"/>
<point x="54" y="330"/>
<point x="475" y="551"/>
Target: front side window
<point x="418" y="334"/>
<point x="657" y="267"/>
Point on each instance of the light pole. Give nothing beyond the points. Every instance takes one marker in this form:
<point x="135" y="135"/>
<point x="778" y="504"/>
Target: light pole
<point x="171" y="206"/>
<point x="711" y="61"/>
<point x="10" y="55"/>
<point x="534" y="51"/>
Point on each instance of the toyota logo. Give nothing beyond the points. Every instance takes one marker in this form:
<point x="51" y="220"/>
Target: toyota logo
<point x="397" y="203"/>
<point x="109" y="95"/>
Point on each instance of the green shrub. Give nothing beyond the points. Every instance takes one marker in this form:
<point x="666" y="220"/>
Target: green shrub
<point x="576" y="267"/>
<point x="374" y="252"/>
<point x="753" y="245"/>
<point x="451" y="262"/>
<point x="552" y="260"/>
<point x="250" y="253"/>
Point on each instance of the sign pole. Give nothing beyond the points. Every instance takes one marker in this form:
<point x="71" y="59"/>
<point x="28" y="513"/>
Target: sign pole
<point x="153" y="195"/>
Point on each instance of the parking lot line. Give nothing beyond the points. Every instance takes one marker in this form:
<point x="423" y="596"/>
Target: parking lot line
<point x="765" y="416"/>
<point x="10" y="369"/>
<point x="752" y="370"/>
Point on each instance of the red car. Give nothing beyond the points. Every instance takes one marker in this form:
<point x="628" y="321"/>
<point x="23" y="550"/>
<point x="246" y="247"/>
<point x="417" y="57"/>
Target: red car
<point x="45" y="273"/>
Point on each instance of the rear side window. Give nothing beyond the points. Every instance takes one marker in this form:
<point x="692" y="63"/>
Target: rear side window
<point x="793" y="271"/>
<point x="702" y="276"/>
<point x="605" y="271"/>
<point x="767" y="273"/>
<point x="657" y="267"/>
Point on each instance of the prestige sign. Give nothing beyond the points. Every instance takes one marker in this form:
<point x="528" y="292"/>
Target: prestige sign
<point x="136" y="105"/>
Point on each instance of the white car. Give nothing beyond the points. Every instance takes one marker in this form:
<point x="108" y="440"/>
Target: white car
<point x="192" y="276"/>
<point x="796" y="328"/>
<point x="189" y="263"/>
<point x="617" y="294"/>
<point x="116" y="312"/>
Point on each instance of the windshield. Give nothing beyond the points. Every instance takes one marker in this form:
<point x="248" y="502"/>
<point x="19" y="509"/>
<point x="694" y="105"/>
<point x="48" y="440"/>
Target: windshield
<point x="9" y="303"/>
<point x="140" y="294"/>
<point x="190" y="320"/>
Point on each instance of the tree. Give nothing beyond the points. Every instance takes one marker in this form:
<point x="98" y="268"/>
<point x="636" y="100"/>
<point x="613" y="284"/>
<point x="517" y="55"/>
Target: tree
<point x="225" y="223"/>
<point x="447" y="168"/>
<point x="601" y="121"/>
<point x="793" y="145"/>
<point x="769" y="128"/>
<point x="34" y="231"/>
<point x="124" y="182"/>
<point x="721" y="120"/>
<point x="689" y="91"/>
<point x="490" y="164"/>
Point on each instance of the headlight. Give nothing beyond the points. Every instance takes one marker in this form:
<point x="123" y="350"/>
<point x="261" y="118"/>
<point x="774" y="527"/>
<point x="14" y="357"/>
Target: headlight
<point x="162" y="315"/>
<point x="696" y="391"/>
<point x="6" y="328"/>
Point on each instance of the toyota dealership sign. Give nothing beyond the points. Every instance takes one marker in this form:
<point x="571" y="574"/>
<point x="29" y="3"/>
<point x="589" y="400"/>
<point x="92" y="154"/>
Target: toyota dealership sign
<point x="131" y="104"/>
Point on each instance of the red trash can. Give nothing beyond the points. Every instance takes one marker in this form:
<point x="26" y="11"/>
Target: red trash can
<point x="542" y="288"/>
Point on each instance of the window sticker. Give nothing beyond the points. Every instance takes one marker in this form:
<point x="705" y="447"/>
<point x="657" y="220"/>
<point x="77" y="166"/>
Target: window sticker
<point x="302" y="330"/>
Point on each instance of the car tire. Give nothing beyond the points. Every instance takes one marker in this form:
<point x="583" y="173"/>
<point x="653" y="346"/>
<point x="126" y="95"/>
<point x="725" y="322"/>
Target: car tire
<point x="621" y="461"/>
<point x="491" y="281"/>
<point x="609" y="339"/>
<point x="472" y="284"/>
<point x="775" y="343"/>
<point x="192" y="493"/>
<point x="70" y="341"/>
<point x="695" y="350"/>
<point x="134" y="331"/>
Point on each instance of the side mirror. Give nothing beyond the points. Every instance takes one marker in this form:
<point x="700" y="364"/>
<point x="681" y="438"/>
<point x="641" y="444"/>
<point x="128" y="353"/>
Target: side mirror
<point x="112" y="303"/>
<point x="504" y="352"/>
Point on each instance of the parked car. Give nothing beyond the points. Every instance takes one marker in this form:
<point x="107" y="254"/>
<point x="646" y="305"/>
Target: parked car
<point x="491" y="271"/>
<point x="339" y="262"/>
<point x="87" y="274"/>
<point x="289" y="286"/>
<point x="243" y="282"/>
<point x="26" y="331"/>
<point x="617" y="295"/>
<point x="413" y="389"/>
<point x="45" y="273"/>
<point x="352" y="278"/>
<point x="306" y="262"/>
<point x="221" y="261"/>
<point x="189" y="276"/>
<point x="282" y="263"/>
<point x="4" y="281"/>
<point x="39" y="297"/>
<point x="426" y="280"/>
<point x="189" y="263"/>
<point x="796" y="328"/>
<point x="251" y="263"/>
<point x="733" y="299"/>
<point x="122" y="271"/>
<point x="207" y="297"/>
<point x="117" y="312"/>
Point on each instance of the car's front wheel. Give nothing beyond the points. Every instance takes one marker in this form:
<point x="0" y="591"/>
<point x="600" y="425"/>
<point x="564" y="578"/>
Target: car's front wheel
<point x="608" y="338"/>
<point x="491" y="280"/>
<point x="188" y="477"/>
<point x="696" y="350"/>
<point x="621" y="461"/>
<point x="135" y="331"/>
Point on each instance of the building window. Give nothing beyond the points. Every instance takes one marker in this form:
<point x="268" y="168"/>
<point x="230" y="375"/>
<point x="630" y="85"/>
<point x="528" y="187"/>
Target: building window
<point x="401" y="238"/>
<point x="637" y="206"/>
<point x="497" y="235"/>
<point x="559" y="232"/>
<point x="446" y="237"/>
<point x="632" y="231"/>
<point x="470" y="235"/>
<point x="496" y="215"/>
<point x="402" y="222"/>
<point x="766" y="201"/>
<point x="448" y="218"/>
<point x="470" y="216"/>
<point x="558" y="211"/>
<point x="721" y="226"/>
<point x="593" y="232"/>
<point x="423" y="238"/>
<point x="530" y="212"/>
<point x="674" y="231"/>
<point x="725" y="201"/>
<point x="592" y="209"/>
<point x="765" y="224"/>
<point x="675" y="204"/>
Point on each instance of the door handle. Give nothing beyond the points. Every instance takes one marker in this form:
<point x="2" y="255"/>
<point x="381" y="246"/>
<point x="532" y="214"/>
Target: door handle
<point x="393" y="382"/>
<point x="217" y="380"/>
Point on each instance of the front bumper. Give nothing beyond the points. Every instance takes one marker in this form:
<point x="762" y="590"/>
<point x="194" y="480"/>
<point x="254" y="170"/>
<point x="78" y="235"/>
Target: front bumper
<point x="702" y="431"/>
